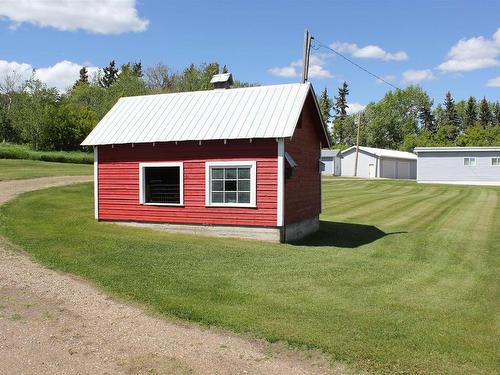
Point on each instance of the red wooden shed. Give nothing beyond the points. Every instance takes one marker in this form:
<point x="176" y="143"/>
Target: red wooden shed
<point x="239" y="162"/>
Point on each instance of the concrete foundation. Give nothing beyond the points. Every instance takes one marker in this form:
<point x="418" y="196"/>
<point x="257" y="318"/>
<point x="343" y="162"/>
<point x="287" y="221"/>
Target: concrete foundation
<point x="288" y="233"/>
<point x="252" y="233"/>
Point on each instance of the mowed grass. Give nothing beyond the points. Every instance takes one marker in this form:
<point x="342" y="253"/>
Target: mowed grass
<point x="14" y="169"/>
<point x="402" y="278"/>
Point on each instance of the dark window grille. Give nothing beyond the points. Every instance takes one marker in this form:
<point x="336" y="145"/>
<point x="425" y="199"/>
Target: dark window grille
<point x="230" y="185"/>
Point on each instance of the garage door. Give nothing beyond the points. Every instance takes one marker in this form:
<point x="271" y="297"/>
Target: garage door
<point x="389" y="168"/>
<point x="403" y="169"/>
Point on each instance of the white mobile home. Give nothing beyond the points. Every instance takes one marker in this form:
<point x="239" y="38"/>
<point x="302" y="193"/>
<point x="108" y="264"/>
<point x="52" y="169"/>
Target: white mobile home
<point x="331" y="160"/>
<point x="378" y="162"/>
<point x="459" y="165"/>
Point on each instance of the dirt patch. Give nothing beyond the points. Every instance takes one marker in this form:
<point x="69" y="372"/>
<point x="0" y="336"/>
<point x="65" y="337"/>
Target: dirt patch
<point x="54" y="323"/>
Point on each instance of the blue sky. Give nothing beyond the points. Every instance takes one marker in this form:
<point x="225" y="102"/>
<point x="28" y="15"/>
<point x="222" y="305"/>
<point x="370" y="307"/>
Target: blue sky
<point x="442" y="45"/>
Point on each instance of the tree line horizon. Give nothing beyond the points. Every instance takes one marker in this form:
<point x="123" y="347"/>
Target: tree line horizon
<point x="406" y="118"/>
<point x="38" y="115"/>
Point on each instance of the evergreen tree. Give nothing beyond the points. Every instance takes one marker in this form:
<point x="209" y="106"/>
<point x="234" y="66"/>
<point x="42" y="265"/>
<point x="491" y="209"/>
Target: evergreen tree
<point x="110" y="75"/>
<point x="496" y="114"/>
<point x="225" y="70"/>
<point x="84" y="75"/>
<point x="341" y="101"/>
<point x="340" y="107"/>
<point x="426" y="117"/>
<point x="484" y="113"/>
<point x="451" y="117"/>
<point x="137" y="69"/>
<point x="470" y="117"/>
<point x="325" y="105"/>
<point x="450" y="111"/>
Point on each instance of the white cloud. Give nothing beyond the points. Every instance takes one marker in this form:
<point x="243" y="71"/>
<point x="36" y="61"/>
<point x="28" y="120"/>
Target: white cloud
<point x="285" y="71"/>
<point x="97" y="16"/>
<point x="61" y="75"/>
<point x="472" y="54"/>
<point x="494" y="82"/>
<point x="368" y="52"/>
<point x="417" y="76"/>
<point x="294" y="69"/>
<point x="355" y="108"/>
<point x="21" y="70"/>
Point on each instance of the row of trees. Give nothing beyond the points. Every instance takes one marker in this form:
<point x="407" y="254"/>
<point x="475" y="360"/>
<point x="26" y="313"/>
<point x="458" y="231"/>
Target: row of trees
<point x="32" y="113"/>
<point x="406" y="118"/>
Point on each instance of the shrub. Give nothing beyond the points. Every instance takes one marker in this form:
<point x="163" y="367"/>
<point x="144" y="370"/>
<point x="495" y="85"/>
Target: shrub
<point x="11" y="151"/>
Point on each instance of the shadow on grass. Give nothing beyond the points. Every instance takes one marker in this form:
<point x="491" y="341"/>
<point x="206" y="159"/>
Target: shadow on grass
<point x="343" y="235"/>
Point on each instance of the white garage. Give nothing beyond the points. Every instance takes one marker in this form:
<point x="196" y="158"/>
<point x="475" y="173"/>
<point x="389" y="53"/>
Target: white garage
<point x="331" y="162"/>
<point x="378" y="162"/>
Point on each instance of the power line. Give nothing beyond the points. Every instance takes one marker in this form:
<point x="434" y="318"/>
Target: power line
<point x="318" y="45"/>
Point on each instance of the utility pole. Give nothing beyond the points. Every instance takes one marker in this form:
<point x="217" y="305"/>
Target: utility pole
<point x="307" y="50"/>
<point x="357" y="146"/>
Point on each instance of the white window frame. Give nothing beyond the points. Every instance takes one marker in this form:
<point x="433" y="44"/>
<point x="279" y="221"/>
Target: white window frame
<point x="498" y="161"/>
<point x="142" y="182"/>
<point x="470" y="158"/>
<point x="252" y="164"/>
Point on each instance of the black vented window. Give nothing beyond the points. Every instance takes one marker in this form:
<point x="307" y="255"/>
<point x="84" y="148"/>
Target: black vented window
<point x="162" y="185"/>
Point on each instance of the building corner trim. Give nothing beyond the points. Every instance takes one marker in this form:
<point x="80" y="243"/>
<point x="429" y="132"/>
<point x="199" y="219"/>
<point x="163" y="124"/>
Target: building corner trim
<point x="281" y="183"/>
<point x="96" y="182"/>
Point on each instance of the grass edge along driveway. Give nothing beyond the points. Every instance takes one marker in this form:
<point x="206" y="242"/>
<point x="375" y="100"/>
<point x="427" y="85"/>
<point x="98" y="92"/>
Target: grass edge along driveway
<point x="401" y="277"/>
<point x="15" y="169"/>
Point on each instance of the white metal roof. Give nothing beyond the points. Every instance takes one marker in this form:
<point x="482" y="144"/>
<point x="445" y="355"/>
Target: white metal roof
<point x="330" y="153"/>
<point x="241" y="113"/>
<point x="381" y="152"/>
<point x="455" y="149"/>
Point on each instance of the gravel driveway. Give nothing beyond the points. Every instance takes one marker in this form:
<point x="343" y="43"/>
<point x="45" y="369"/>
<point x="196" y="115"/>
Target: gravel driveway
<point x="54" y="323"/>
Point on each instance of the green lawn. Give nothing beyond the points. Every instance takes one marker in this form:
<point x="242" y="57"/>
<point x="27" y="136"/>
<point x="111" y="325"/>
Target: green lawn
<point x="402" y="278"/>
<point x="14" y="169"/>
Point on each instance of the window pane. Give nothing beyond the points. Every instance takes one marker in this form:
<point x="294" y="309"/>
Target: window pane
<point x="217" y="173"/>
<point x="244" y="185"/>
<point x="243" y="172"/>
<point x="230" y="185"/>
<point x="217" y="185"/>
<point x="230" y="197"/>
<point x="230" y="173"/>
<point x="217" y="197"/>
<point x="472" y="161"/>
<point x="243" y="197"/>
<point x="162" y="185"/>
<point x="466" y="161"/>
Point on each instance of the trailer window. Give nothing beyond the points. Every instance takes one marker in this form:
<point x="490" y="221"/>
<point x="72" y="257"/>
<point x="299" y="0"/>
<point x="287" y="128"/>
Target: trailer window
<point x="470" y="162"/>
<point x="495" y="162"/>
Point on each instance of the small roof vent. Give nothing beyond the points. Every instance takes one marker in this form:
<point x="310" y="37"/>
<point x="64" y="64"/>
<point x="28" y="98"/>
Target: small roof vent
<point x="222" y="81"/>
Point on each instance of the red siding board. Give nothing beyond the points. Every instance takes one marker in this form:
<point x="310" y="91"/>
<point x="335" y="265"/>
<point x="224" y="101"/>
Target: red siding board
<point x="119" y="182"/>
<point x="303" y="189"/>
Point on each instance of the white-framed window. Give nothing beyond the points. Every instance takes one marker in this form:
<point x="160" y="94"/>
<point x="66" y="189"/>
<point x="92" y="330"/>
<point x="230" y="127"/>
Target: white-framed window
<point x="231" y="183"/>
<point x="161" y="184"/>
<point x="495" y="162"/>
<point x="470" y="162"/>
